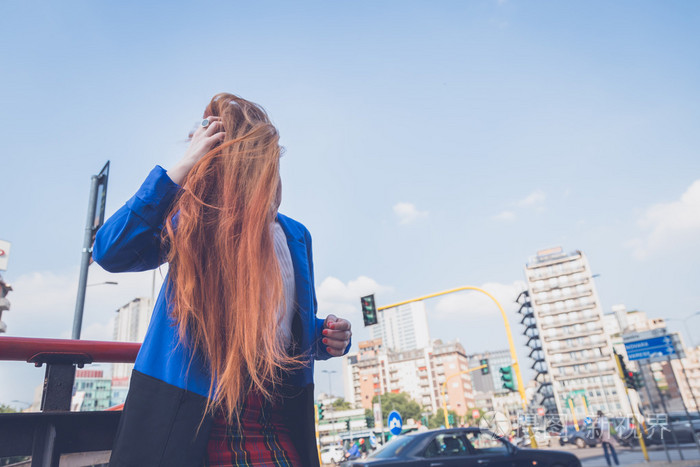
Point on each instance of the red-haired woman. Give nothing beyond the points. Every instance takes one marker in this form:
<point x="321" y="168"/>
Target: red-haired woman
<point x="225" y="374"/>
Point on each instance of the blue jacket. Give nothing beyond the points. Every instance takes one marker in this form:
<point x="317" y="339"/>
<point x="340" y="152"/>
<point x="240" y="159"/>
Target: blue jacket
<point x="162" y="413"/>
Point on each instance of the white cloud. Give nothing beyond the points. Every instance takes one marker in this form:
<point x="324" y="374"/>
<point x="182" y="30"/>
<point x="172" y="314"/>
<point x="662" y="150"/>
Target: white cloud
<point x="536" y="198"/>
<point x="505" y="216"/>
<point x="470" y="304"/>
<point x="669" y="225"/>
<point x="408" y="213"/>
<point x="343" y="300"/>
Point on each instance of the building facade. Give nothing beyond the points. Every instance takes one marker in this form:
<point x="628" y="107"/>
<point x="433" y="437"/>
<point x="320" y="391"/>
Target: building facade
<point x="91" y="391"/>
<point x="130" y="325"/>
<point x="490" y="382"/>
<point x="422" y="373"/>
<point x="576" y="347"/>
<point x="404" y="327"/>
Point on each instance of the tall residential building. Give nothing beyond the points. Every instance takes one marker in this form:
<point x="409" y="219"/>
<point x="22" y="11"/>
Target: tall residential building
<point x="404" y="327"/>
<point x="575" y="346"/>
<point x="490" y="382"/>
<point x="130" y="325"/>
<point x="375" y="370"/>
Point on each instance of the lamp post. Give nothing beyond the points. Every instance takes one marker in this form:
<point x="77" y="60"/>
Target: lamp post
<point x="685" y="325"/>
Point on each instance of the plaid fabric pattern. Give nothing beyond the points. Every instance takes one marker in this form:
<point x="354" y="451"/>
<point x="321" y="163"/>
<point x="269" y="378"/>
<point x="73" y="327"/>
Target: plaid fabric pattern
<point x="261" y="440"/>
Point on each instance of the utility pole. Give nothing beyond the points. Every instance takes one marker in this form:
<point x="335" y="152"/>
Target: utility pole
<point x="95" y="219"/>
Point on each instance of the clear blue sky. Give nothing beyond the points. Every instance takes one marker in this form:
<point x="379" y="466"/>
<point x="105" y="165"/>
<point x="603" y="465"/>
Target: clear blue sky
<point x="503" y="127"/>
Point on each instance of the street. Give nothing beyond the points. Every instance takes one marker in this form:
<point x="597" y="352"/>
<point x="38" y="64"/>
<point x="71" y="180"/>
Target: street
<point x="593" y="457"/>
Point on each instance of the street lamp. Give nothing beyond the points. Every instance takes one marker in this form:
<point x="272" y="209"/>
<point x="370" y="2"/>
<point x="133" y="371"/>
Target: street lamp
<point x="103" y="283"/>
<point x="685" y="325"/>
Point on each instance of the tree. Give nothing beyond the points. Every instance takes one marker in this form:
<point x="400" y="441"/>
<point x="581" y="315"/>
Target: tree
<point x="341" y="404"/>
<point x="400" y="402"/>
<point x="438" y="419"/>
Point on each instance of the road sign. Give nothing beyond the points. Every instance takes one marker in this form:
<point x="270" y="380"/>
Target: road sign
<point x="475" y="413"/>
<point x="588" y="420"/>
<point x="659" y="346"/>
<point x="395" y="423"/>
<point x="540" y="411"/>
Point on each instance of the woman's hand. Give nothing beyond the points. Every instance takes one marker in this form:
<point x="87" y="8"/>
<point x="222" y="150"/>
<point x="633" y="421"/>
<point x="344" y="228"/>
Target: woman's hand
<point x="336" y="335"/>
<point x="203" y="140"/>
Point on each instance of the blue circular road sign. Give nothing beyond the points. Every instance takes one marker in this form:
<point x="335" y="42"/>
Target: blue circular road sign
<point x="395" y="423"/>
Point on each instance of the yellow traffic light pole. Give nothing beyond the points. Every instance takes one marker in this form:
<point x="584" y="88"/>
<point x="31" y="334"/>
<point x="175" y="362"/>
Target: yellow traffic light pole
<point x="444" y="388"/>
<point x="513" y="355"/>
<point x="642" y="443"/>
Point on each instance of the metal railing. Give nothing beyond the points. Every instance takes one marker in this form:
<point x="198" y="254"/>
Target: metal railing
<point x="56" y="431"/>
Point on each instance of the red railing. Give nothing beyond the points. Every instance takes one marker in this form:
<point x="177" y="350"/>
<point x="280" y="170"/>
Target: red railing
<point x="56" y="430"/>
<point x="37" y="350"/>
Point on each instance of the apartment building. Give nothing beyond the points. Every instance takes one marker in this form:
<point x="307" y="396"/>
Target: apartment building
<point x="577" y="349"/>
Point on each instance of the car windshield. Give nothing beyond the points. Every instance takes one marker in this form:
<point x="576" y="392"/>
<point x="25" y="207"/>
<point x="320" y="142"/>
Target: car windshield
<point x="393" y="448"/>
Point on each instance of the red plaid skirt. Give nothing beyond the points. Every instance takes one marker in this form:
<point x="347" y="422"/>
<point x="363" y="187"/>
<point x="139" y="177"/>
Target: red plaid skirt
<point x="260" y="440"/>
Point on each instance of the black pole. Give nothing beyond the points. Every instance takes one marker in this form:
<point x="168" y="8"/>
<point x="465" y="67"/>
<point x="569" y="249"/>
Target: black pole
<point x="673" y="432"/>
<point x="685" y="407"/>
<point x="652" y="407"/>
<point x="98" y="185"/>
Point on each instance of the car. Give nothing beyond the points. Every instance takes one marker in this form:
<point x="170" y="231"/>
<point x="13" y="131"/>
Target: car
<point x="582" y="437"/>
<point x="658" y="429"/>
<point x="332" y="455"/>
<point x="464" y="447"/>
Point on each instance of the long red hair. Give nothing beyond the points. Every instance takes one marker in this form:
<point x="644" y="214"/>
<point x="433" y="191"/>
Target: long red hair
<point x="225" y="282"/>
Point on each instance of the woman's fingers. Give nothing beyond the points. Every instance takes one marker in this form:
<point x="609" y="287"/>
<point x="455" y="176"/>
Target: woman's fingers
<point x="340" y="335"/>
<point x="215" y="126"/>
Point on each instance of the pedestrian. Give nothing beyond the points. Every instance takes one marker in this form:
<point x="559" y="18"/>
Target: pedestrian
<point x="602" y="432"/>
<point x="224" y="376"/>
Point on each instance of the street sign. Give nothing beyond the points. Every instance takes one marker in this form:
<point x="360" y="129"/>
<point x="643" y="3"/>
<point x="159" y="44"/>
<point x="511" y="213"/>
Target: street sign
<point x="395" y="423"/>
<point x="659" y="346"/>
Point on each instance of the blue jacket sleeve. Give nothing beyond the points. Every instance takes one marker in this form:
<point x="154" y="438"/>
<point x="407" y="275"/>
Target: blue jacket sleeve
<point x="130" y="239"/>
<point x="320" y="351"/>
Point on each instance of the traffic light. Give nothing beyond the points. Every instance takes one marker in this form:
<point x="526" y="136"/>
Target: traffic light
<point x="451" y="419"/>
<point x="369" y="310"/>
<point x="638" y="380"/>
<point x="320" y="411"/>
<point x="629" y="379"/>
<point x="507" y="378"/>
<point x="347" y="424"/>
<point x="485" y="370"/>
<point x="370" y="422"/>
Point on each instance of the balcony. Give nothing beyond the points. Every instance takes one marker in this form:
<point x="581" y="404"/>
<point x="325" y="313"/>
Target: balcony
<point x="569" y="335"/>
<point x="559" y="323"/>
<point x="567" y="283"/>
<point x="562" y="297"/>
<point x="56" y="434"/>
<point x="573" y="348"/>
<point x="582" y="307"/>
<point x="578" y="361"/>
<point x="540" y="274"/>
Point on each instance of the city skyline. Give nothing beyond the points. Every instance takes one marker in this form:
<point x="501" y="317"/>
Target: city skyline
<point x="427" y="147"/>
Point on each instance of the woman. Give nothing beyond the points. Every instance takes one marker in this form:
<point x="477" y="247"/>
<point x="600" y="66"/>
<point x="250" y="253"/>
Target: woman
<point x="225" y="374"/>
